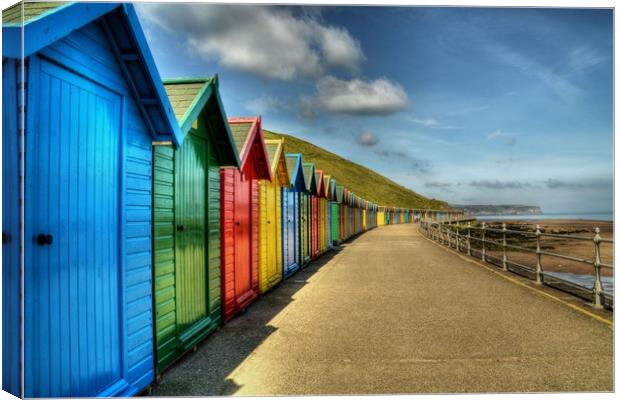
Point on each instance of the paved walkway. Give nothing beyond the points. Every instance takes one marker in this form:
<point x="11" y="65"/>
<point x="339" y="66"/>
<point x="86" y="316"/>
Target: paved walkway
<point x="393" y="313"/>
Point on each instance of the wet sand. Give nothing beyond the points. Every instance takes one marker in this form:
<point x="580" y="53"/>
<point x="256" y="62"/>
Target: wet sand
<point x="577" y="248"/>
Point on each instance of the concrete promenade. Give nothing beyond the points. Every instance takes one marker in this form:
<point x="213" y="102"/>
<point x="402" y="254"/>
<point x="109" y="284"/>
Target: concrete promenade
<point x="391" y="312"/>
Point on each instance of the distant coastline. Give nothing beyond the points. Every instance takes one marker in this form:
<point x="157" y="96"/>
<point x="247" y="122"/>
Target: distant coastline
<point x="498" y="209"/>
<point x="592" y="216"/>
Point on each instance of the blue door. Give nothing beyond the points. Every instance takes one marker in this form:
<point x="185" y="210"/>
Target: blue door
<point x="10" y="233"/>
<point x="290" y="228"/>
<point x="73" y="315"/>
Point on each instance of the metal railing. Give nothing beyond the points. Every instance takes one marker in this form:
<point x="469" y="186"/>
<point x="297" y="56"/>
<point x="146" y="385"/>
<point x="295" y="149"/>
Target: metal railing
<point x="450" y="233"/>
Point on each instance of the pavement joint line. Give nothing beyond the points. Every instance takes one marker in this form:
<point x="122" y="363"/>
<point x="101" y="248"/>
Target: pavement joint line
<point x="516" y="282"/>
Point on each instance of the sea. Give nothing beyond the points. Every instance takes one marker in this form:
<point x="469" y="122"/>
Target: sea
<point x="595" y="216"/>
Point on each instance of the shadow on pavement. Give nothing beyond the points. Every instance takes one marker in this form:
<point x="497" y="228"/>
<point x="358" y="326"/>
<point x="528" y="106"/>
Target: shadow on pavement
<point x="205" y="372"/>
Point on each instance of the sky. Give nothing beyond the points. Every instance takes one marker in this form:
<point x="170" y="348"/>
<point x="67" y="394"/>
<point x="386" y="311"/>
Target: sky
<point x="466" y="105"/>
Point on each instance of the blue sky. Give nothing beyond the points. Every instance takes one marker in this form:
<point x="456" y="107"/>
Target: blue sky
<point x="468" y="105"/>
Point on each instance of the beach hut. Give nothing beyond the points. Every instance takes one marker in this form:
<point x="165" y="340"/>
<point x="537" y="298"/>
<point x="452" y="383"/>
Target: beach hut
<point x="270" y="217"/>
<point x="306" y="212"/>
<point x="363" y="215"/>
<point x="335" y="206"/>
<point x="352" y="212"/>
<point x="371" y="216"/>
<point x="292" y="233"/>
<point x="186" y="218"/>
<point x="239" y="214"/>
<point x="317" y="225"/>
<point x="328" y="225"/>
<point x="339" y="235"/>
<point x="93" y="103"/>
<point x="345" y="214"/>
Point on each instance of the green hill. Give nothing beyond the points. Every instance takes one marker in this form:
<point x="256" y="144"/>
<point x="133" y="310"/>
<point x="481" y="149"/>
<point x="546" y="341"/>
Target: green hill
<point x="355" y="177"/>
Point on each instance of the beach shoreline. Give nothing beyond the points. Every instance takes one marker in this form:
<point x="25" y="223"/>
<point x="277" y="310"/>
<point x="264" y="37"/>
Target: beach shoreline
<point x="584" y="249"/>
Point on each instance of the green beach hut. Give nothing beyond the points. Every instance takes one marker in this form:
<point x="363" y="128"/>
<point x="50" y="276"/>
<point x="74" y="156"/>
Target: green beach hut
<point x="186" y="219"/>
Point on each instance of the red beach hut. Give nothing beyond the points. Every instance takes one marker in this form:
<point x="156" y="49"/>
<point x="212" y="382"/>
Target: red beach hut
<point x="239" y="213"/>
<point x="315" y="211"/>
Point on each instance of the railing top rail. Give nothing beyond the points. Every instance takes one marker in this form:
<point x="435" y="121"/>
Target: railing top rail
<point x="534" y="233"/>
<point x="440" y="231"/>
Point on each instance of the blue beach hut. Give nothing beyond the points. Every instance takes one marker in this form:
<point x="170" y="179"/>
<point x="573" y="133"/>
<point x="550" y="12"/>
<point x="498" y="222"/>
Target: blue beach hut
<point x="94" y="104"/>
<point x="291" y="215"/>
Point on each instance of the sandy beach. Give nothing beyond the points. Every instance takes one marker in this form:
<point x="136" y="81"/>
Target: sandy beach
<point x="583" y="249"/>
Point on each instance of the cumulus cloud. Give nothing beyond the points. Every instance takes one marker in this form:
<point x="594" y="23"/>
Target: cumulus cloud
<point x="269" y="41"/>
<point x="367" y="139"/>
<point x="437" y="184"/>
<point x="358" y="97"/>
<point x="496" y="184"/>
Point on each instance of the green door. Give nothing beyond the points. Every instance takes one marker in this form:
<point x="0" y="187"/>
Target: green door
<point x="335" y="223"/>
<point x="186" y="245"/>
<point x="190" y="243"/>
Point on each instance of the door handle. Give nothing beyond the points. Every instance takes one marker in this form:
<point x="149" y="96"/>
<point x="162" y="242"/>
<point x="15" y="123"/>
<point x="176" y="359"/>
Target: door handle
<point x="44" y="239"/>
<point x="268" y="222"/>
<point x="180" y="228"/>
<point x="237" y="223"/>
<point x="6" y="238"/>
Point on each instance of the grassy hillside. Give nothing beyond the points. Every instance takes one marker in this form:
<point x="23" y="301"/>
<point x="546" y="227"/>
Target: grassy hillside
<point x="361" y="180"/>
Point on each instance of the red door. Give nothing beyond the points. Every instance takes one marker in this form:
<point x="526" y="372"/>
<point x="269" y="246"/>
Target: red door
<point x="315" y="226"/>
<point x="242" y="233"/>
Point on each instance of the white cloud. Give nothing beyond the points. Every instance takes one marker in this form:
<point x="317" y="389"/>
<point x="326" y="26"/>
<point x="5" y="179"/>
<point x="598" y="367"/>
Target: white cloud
<point x="339" y="48"/>
<point x="367" y="139"/>
<point x="583" y="58"/>
<point x="495" y="134"/>
<point x="530" y="67"/>
<point x="269" y="41"/>
<point x="264" y="104"/>
<point x="430" y="123"/>
<point x="358" y="97"/>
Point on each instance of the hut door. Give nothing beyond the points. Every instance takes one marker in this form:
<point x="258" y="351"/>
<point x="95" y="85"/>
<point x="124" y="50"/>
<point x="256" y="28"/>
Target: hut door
<point x="190" y="236"/>
<point x="72" y="316"/>
<point x="10" y="233"/>
<point x="290" y="227"/>
<point x="303" y="213"/>
<point x="314" y="229"/>
<point x="243" y="272"/>
<point x="272" y="231"/>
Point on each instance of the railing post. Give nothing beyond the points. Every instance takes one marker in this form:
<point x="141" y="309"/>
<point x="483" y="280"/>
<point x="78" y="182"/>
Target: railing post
<point x="443" y="232"/>
<point x="468" y="238"/>
<point x="458" y="245"/>
<point x="598" y="286"/>
<point x="504" y="259"/>
<point x="484" y="247"/>
<point x="539" y="276"/>
<point x="449" y="235"/>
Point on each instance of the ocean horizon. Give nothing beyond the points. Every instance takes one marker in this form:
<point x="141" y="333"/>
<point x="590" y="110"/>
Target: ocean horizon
<point x="595" y="216"/>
